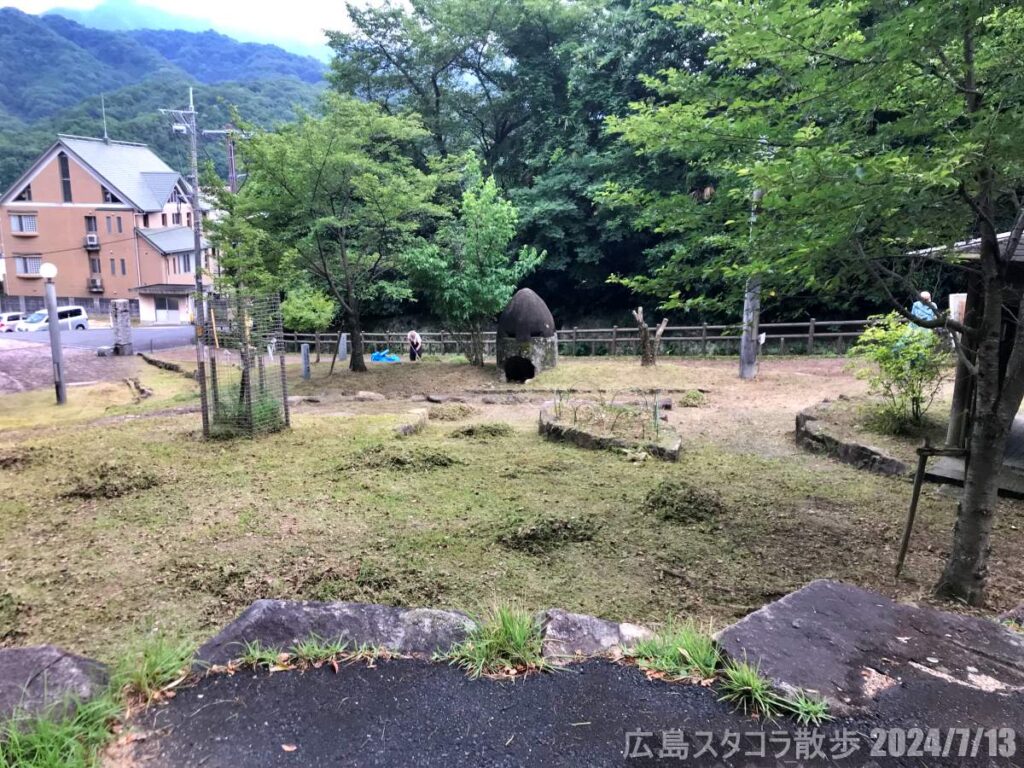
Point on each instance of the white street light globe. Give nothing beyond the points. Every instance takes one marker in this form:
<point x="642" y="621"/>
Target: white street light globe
<point x="48" y="270"/>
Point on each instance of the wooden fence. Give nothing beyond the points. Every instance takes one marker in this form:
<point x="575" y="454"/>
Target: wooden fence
<point x="807" y="337"/>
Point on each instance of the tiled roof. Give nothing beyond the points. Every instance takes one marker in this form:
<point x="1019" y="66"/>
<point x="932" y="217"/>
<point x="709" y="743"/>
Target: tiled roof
<point x="172" y="239"/>
<point x="133" y="170"/>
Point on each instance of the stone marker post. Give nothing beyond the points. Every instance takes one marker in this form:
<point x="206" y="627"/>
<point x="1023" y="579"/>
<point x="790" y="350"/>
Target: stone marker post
<point x="343" y="346"/>
<point x="305" y="361"/>
<point x="121" y="323"/>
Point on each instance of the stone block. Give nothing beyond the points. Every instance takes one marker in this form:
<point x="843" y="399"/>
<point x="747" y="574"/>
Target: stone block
<point x="34" y="679"/>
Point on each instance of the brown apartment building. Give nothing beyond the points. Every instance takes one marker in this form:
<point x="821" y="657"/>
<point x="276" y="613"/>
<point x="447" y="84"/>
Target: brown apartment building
<point x="115" y="220"/>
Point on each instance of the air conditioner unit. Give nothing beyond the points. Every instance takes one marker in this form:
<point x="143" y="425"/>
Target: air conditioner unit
<point x="92" y="241"/>
<point x="96" y="284"/>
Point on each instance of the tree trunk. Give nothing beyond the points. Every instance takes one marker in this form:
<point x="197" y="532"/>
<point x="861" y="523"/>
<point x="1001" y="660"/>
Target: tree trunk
<point x="356" y="362"/>
<point x="997" y="400"/>
<point x="967" y="565"/>
<point x="647" y="357"/>
<point x="749" y="341"/>
<point x="476" y="346"/>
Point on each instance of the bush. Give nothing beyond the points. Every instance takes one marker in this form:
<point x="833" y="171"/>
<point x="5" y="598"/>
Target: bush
<point x="905" y="365"/>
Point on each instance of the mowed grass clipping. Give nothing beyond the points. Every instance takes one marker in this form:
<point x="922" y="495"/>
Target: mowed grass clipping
<point x="338" y="508"/>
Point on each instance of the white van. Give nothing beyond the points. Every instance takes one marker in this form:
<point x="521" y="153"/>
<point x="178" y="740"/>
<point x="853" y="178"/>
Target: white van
<point x="72" y="318"/>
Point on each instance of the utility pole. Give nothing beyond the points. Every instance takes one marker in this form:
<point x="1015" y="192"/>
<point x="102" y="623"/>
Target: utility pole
<point x="186" y="121"/>
<point x="750" y="341"/>
<point x="229" y="135"/>
<point x="49" y="272"/>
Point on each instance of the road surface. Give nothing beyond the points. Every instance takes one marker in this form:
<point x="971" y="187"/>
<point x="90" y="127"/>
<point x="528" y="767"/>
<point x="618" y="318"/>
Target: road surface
<point x="144" y="339"/>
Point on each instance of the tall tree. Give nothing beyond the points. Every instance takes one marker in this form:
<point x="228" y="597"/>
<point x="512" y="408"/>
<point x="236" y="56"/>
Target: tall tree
<point x="469" y="271"/>
<point x="874" y="129"/>
<point x="341" y="196"/>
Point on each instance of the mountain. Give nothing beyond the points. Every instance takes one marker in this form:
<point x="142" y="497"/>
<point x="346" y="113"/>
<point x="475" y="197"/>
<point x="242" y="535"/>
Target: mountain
<point x="53" y="70"/>
<point x="127" y="14"/>
<point x="122" y="15"/>
<point x="211" y="57"/>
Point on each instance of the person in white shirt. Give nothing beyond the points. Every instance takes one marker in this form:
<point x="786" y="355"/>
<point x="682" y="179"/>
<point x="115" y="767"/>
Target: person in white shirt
<point x="415" y="345"/>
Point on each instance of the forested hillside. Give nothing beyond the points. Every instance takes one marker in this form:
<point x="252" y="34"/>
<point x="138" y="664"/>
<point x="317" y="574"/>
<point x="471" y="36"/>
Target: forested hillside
<point x="53" y="70"/>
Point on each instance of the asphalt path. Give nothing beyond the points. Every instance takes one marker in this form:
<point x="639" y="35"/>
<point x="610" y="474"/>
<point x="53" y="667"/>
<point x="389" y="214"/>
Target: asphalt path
<point x="144" y="339"/>
<point x="411" y="713"/>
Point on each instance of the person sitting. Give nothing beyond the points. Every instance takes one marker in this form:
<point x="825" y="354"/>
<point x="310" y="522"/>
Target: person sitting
<point x="924" y="308"/>
<point x="415" y="345"/>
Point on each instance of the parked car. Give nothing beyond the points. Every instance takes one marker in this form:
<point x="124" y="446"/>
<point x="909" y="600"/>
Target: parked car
<point x="73" y="318"/>
<point x="8" y="320"/>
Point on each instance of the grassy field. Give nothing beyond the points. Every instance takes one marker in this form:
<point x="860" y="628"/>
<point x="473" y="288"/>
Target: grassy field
<point x="114" y="523"/>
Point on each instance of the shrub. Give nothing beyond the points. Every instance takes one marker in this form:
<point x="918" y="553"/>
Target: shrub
<point x="905" y="365"/>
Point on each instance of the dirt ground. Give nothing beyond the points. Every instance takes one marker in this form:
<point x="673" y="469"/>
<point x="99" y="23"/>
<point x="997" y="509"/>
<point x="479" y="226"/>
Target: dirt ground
<point x="25" y="366"/>
<point x="339" y="508"/>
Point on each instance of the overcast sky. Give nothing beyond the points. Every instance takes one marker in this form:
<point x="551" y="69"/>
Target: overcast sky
<point x="298" y="21"/>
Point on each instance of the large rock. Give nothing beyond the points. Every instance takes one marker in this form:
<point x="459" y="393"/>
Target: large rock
<point x="851" y="646"/>
<point x="34" y="679"/>
<point x="282" y="623"/>
<point x="813" y="435"/>
<point x="568" y="635"/>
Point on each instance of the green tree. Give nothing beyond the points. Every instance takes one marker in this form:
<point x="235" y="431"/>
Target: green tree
<point x="341" y="200"/>
<point x="469" y="272"/>
<point x="308" y="310"/>
<point x="873" y="129"/>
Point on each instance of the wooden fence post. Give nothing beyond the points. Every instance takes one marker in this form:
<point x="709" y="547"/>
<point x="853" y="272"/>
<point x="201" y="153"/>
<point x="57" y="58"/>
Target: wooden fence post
<point x="704" y="339"/>
<point x="574" y="329"/>
<point x="810" y="337"/>
<point x="615" y="333"/>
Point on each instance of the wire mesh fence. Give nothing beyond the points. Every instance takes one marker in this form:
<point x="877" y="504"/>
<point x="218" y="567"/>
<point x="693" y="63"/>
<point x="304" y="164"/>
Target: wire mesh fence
<point x="247" y="393"/>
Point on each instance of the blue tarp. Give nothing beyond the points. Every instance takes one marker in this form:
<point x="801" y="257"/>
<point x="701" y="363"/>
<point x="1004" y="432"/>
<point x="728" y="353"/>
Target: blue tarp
<point x="384" y="357"/>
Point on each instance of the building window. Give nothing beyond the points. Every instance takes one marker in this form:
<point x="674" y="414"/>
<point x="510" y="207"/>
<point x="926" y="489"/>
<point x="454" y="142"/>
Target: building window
<point x="25" y="196"/>
<point x="124" y="268"/>
<point x="188" y="218"/>
<point x="24" y="223"/>
<point x="110" y="225"/>
<point x="65" y="176"/>
<point x="27" y="265"/>
<point x="173" y="265"/>
<point x="163" y="219"/>
<point x="176" y="218"/>
<point x="90" y="224"/>
<point x="186" y="260"/>
<point x="113" y="269"/>
<point x="119" y="229"/>
<point x="145" y="221"/>
<point x="94" y="265"/>
<point x="108" y="197"/>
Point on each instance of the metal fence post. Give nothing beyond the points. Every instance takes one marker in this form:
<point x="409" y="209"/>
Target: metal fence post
<point x="810" y="337"/>
<point x="615" y="334"/>
<point x="704" y="339"/>
<point x="574" y="329"/>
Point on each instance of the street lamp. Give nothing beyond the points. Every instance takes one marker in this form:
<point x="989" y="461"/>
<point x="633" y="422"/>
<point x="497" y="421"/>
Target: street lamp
<point x="48" y="272"/>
